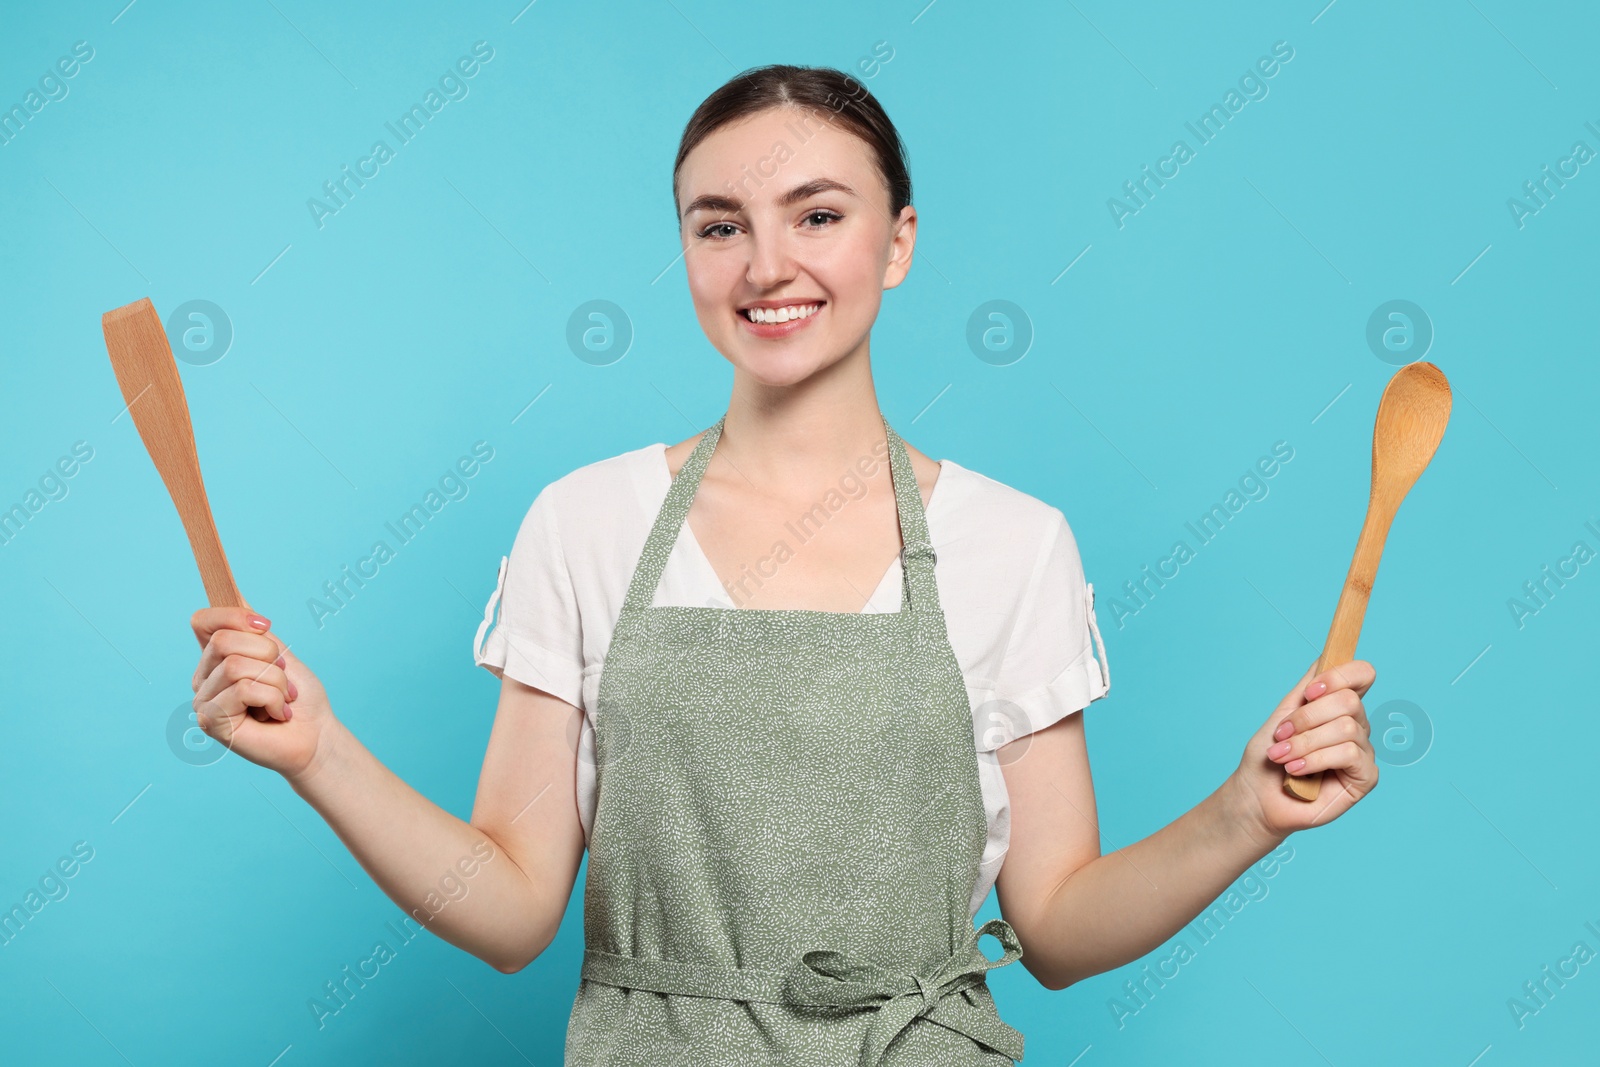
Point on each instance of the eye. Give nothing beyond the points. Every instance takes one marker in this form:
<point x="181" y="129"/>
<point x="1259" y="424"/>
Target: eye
<point x="824" y="214"/>
<point x="716" y="226"/>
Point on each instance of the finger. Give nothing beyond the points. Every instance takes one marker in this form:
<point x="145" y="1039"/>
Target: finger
<point x="281" y="649"/>
<point x="1329" y="734"/>
<point x="1357" y="674"/>
<point x="1347" y="756"/>
<point x="291" y="665"/>
<point x="235" y="669"/>
<point x="1280" y="724"/>
<point x="208" y="621"/>
<point x="225" y="643"/>
<point x="219" y="689"/>
<point x="245" y="668"/>
<point x="1326" y="708"/>
<point x="245" y="697"/>
<point x="220" y="715"/>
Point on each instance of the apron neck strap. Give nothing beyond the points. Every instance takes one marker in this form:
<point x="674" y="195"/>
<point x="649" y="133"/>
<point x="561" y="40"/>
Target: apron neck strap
<point x="916" y="551"/>
<point x="916" y="554"/>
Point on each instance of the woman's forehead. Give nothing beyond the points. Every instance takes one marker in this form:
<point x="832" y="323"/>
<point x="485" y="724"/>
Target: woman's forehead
<point x="765" y="155"/>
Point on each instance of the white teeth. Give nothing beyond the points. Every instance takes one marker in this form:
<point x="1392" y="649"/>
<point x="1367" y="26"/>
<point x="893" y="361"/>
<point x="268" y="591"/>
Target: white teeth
<point x="783" y="314"/>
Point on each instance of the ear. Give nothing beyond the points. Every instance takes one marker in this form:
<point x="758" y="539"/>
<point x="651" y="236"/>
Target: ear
<point x="901" y="244"/>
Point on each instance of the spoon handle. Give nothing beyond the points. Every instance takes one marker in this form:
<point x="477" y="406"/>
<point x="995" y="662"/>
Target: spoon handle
<point x="1340" y="648"/>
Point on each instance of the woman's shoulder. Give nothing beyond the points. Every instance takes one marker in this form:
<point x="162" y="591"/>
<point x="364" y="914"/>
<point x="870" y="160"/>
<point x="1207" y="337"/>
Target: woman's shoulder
<point x="971" y="500"/>
<point x="624" y="467"/>
<point x="589" y="500"/>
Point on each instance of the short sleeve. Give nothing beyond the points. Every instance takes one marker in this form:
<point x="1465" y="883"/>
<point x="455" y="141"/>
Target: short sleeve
<point x="536" y="637"/>
<point x="1050" y="668"/>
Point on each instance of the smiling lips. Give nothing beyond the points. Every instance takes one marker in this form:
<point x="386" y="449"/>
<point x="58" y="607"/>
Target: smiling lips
<point x="779" y="321"/>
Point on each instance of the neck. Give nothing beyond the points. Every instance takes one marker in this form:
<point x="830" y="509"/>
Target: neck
<point x="796" y="435"/>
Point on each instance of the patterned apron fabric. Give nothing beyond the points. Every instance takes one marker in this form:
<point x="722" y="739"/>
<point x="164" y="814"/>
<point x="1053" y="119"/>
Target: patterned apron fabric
<point x="787" y="832"/>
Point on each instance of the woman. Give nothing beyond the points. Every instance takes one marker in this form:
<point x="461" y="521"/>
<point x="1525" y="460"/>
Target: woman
<point x="792" y="802"/>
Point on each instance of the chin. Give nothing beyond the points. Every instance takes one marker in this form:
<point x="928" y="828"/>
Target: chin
<point x="778" y="368"/>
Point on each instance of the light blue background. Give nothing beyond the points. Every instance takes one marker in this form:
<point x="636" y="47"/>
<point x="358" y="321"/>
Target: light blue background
<point x="1228" y="314"/>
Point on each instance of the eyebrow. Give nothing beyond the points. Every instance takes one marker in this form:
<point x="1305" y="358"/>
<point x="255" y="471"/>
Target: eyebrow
<point x="730" y="205"/>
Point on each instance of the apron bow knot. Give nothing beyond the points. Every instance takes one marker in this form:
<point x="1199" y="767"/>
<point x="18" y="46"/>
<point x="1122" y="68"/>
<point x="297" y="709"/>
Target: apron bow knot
<point x="825" y="977"/>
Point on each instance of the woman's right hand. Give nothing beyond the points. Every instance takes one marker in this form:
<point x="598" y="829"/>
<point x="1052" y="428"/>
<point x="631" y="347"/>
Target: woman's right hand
<point x="253" y="696"/>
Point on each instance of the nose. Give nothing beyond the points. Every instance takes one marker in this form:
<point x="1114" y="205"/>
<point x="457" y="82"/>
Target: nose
<point x="771" y="260"/>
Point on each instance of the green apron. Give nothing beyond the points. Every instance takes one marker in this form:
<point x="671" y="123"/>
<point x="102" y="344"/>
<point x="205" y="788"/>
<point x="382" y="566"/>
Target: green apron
<point x="787" y="831"/>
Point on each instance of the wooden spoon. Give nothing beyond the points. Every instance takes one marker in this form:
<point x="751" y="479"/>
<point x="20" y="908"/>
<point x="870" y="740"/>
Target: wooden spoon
<point x="1411" y="419"/>
<point x="148" y="375"/>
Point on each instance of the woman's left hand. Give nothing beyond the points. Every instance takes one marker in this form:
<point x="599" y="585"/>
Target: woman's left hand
<point x="1320" y="725"/>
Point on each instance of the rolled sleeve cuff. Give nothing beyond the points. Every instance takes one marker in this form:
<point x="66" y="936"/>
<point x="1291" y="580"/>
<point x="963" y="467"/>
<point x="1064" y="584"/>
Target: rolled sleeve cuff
<point x="506" y="653"/>
<point x="1003" y="717"/>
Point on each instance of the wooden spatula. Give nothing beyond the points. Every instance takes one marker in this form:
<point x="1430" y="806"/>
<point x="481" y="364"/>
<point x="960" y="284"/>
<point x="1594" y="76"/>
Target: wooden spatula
<point x="142" y="358"/>
<point x="1411" y="419"/>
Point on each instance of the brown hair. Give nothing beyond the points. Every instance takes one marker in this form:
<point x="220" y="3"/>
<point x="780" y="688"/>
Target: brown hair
<point x="817" y="88"/>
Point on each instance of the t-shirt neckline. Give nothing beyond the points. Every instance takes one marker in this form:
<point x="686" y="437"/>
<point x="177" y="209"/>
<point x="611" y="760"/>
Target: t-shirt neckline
<point x="658" y="450"/>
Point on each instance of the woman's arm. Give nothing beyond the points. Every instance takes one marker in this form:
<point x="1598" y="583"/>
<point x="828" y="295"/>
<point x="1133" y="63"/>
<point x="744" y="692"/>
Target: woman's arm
<point x="1078" y="913"/>
<point x="497" y="886"/>
<point x="505" y="910"/>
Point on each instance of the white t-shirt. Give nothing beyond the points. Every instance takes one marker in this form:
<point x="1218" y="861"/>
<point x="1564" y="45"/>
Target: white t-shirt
<point x="1018" y="611"/>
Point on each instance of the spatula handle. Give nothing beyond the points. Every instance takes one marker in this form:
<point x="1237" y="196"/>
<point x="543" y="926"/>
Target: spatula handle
<point x="148" y="375"/>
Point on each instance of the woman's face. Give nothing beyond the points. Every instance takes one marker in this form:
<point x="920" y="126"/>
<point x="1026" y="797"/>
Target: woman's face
<point x="783" y="210"/>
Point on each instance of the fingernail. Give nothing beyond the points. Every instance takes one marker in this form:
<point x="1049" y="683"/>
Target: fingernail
<point x="1285" y="728"/>
<point x="1316" y="689"/>
<point x="1294" y="766"/>
<point x="258" y="621"/>
<point x="1278" y="750"/>
<point x="294" y="694"/>
<point x="288" y="713"/>
<point x="279" y="662"/>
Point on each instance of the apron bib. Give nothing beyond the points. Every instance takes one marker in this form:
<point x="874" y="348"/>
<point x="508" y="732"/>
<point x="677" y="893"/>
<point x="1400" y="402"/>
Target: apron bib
<point x="787" y="830"/>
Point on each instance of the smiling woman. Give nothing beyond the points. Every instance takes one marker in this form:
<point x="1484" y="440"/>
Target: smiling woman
<point x="790" y="821"/>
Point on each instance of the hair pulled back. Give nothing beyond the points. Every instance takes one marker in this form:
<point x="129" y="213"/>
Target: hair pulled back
<point x="841" y="99"/>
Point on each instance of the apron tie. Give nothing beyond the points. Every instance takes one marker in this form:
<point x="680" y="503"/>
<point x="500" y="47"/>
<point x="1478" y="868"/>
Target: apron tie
<point x="826" y="977"/>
